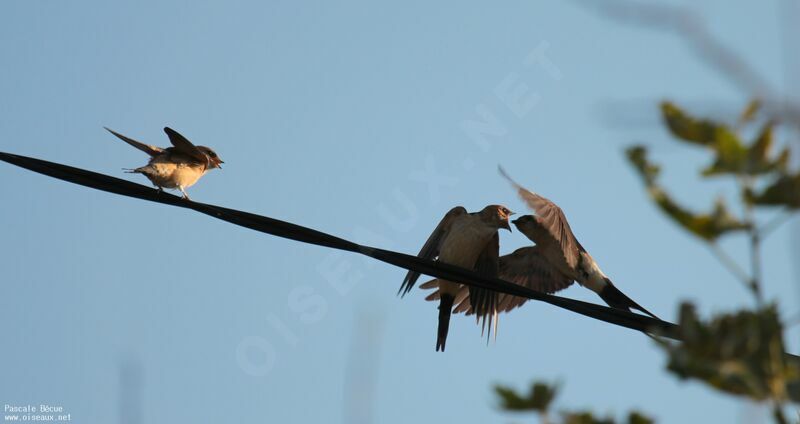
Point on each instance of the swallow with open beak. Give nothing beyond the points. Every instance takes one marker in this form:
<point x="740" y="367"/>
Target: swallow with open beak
<point x="468" y="240"/>
<point x="176" y="167"/>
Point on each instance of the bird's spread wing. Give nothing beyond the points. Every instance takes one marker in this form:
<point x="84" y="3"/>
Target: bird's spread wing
<point x="526" y="267"/>
<point x="183" y="145"/>
<point x="553" y="225"/>
<point x="430" y="250"/>
<point x="150" y="150"/>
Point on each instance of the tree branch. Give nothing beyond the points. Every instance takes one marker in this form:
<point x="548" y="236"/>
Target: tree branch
<point x="688" y="26"/>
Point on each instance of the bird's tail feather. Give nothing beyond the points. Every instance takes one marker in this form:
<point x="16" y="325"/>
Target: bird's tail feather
<point x="617" y="299"/>
<point x="484" y="305"/>
<point x="445" y="307"/>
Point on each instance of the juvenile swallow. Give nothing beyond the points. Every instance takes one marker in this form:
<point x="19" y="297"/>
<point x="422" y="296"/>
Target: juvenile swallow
<point x="564" y="255"/>
<point x="468" y="240"/>
<point x="176" y="167"/>
<point x="554" y="263"/>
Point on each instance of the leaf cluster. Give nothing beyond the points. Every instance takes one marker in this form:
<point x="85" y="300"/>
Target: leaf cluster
<point x="765" y="176"/>
<point x="539" y="399"/>
<point x="739" y="353"/>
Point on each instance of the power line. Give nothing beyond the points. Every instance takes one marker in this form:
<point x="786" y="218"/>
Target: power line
<point x="307" y="235"/>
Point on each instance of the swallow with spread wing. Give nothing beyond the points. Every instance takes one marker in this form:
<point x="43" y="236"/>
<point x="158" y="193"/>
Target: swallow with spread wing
<point x="553" y="264"/>
<point x="551" y="232"/>
<point x="468" y="240"/>
<point x="176" y="167"/>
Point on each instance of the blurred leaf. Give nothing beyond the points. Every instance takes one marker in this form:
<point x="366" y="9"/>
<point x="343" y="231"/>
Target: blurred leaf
<point x="785" y="191"/>
<point x="538" y="398"/>
<point x="758" y="155"/>
<point x="636" y="417"/>
<point x="706" y="226"/>
<point x="585" y="418"/>
<point x="731" y="155"/>
<point x="749" y="113"/>
<point x="740" y="353"/>
<point x="697" y="131"/>
<point x="731" y="158"/>
<point x="637" y="155"/>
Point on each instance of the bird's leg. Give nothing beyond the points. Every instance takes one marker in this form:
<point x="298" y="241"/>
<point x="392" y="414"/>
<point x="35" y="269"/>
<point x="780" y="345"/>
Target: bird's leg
<point x="185" y="196"/>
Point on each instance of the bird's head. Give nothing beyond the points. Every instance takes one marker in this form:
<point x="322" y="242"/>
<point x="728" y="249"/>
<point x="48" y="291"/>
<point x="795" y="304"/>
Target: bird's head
<point x="527" y="225"/>
<point x="497" y="215"/>
<point x="213" y="160"/>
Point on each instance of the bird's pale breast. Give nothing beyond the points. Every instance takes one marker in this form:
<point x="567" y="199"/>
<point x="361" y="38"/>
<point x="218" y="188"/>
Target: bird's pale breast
<point x="463" y="244"/>
<point x="165" y="173"/>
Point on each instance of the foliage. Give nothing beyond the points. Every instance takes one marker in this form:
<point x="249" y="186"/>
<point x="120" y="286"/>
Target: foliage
<point x="708" y="226"/>
<point x="731" y="157"/>
<point x="740" y="353"/>
<point x="540" y="398"/>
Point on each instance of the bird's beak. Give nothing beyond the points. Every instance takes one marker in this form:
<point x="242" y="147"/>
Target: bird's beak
<point x="505" y="225"/>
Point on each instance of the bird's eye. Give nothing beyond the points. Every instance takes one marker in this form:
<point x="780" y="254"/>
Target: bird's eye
<point x="212" y="154"/>
<point x="505" y="211"/>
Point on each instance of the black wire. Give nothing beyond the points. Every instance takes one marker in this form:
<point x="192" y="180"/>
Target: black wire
<point x="307" y="235"/>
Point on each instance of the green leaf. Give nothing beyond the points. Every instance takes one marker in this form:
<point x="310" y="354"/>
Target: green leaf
<point x="636" y="417"/>
<point x="731" y="158"/>
<point x="709" y="226"/>
<point x="585" y="418"/>
<point x="739" y="353"/>
<point x="697" y="131"/>
<point x="758" y="154"/>
<point x="784" y="191"/>
<point x="730" y="152"/>
<point x="750" y="111"/>
<point x="637" y="156"/>
<point x="538" y="398"/>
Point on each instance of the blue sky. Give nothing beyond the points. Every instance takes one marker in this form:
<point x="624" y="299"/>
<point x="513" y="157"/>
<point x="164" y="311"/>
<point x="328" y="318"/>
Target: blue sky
<point x="338" y="116"/>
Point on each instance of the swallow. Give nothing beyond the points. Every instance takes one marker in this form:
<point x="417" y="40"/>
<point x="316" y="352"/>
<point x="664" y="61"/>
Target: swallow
<point x="565" y="256"/>
<point x="468" y="240"/>
<point x="176" y="167"/>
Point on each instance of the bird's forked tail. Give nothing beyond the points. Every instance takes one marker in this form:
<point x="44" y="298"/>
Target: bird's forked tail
<point x="445" y="308"/>
<point x="617" y="299"/>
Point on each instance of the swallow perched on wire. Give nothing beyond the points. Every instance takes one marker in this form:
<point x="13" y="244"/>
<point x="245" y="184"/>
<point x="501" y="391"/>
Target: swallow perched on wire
<point x="468" y="240"/>
<point x="565" y="256"/>
<point x="176" y="167"/>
